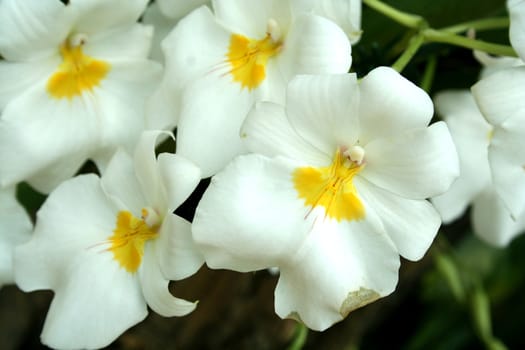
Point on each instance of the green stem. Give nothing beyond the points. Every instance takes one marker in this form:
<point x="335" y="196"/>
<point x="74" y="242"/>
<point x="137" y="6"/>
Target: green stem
<point x="448" y="269"/>
<point x="480" y="310"/>
<point x="428" y="75"/>
<point x="406" y="19"/>
<point x="301" y="332"/>
<point x="479" y="25"/>
<point x="414" y="45"/>
<point x="432" y="35"/>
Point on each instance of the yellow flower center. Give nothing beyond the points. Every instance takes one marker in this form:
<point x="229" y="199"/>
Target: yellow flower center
<point x="248" y="57"/>
<point x="331" y="187"/>
<point x="77" y="72"/>
<point x="129" y="237"/>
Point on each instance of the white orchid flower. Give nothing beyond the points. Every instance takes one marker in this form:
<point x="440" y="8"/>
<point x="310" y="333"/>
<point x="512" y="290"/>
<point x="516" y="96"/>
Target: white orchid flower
<point x="218" y="65"/>
<point x="335" y="191"/>
<point x="74" y="82"/>
<point x="108" y="247"/>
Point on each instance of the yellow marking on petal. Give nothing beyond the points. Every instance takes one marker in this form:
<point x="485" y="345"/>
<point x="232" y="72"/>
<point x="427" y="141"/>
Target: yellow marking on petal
<point x="490" y="134"/>
<point x="248" y="58"/>
<point x="128" y="239"/>
<point x="331" y="187"/>
<point x="77" y="73"/>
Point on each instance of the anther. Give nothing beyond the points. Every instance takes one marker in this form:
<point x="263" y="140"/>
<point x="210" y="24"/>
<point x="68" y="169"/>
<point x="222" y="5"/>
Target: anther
<point x="150" y="217"/>
<point x="355" y="153"/>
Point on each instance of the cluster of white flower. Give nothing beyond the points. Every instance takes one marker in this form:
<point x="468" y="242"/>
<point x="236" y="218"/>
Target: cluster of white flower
<point x="315" y="172"/>
<point x="488" y="128"/>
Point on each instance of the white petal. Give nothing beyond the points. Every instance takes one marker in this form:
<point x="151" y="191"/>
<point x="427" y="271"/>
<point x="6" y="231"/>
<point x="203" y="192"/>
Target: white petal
<point x="129" y="42"/>
<point x="267" y="131"/>
<point x="250" y="17"/>
<point x="470" y="133"/>
<point x="155" y="288"/>
<point x="500" y="94"/>
<point x="122" y="99"/>
<point x="179" y="8"/>
<point x="339" y="267"/>
<point x="492" y="64"/>
<point x="315" y="45"/>
<point x="132" y="80"/>
<point x="74" y="222"/>
<point x="101" y="15"/>
<point x="517" y="26"/>
<point x="146" y="168"/>
<point x="196" y="46"/>
<point x="492" y="222"/>
<point x="345" y="13"/>
<point x="32" y="29"/>
<point x="391" y="104"/>
<point x="43" y="133"/>
<point x="18" y="77"/>
<point x="177" y="252"/>
<point x="323" y="110"/>
<point x="212" y="113"/>
<point x="250" y="217"/>
<point x="507" y="162"/>
<point x="179" y="178"/>
<point x="95" y="303"/>
<point x="119" y="180"/>
<point x="416" y="164"/>
<point x="162" y="108"/>
<point x="15" y="228"/>
<point x="411" y="224"/>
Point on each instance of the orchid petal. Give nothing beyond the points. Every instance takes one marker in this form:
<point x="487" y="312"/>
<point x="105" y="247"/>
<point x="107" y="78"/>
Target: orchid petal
<point x="178" y="255"/>
<point x="155" y="288"/>
<point x="261" y="206"/>
<point x="338" y="268"/>
<point x="470" y="133"/>
<point x="268" y="131"/>
<point x="500" y="94"/>
<point x="411" y="224"/>
<point x="391" y="104"/>
<point x="46" y="25"/>
<point x="417" y="164"/>
<point x="492" y="221"/>
<point x="323" y="109"/>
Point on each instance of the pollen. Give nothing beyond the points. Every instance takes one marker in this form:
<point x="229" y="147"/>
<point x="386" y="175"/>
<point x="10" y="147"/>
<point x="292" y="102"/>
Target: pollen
<point x="248" y="57"/>
<point x="129" y="237"/>
<point x="78" y="72"/>
<point x="331" y="187"/>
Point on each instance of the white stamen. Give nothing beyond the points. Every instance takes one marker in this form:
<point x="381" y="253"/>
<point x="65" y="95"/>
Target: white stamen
<point x="77" y="39"/>
<point x="150" y="217"/>
<point x="273" y="30"/>
<point x="356" y="154"/>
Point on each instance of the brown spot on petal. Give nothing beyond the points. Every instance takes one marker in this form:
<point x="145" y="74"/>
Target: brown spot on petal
<point x="357" y="299"/>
